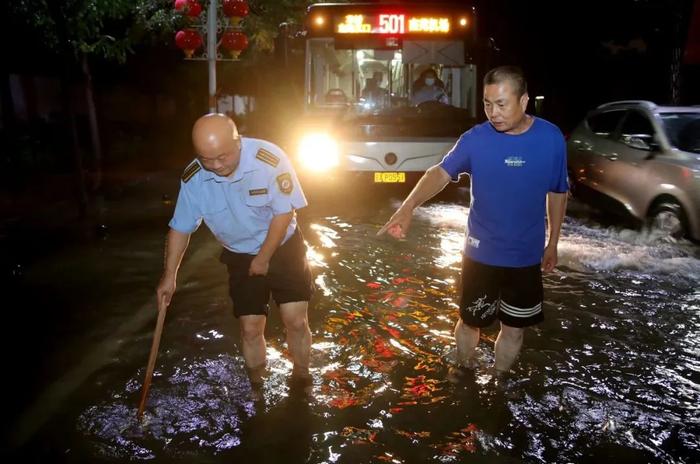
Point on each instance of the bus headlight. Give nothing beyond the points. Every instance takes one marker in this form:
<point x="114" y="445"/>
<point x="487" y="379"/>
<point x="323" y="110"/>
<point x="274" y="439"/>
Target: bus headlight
<point x="318" y="152"/>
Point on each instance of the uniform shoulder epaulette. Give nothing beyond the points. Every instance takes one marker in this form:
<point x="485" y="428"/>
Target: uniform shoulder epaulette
<point x="267" y="157"/>
<point x="190" y="171"/>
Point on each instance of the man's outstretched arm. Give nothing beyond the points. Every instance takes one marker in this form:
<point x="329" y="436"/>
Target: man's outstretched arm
<point x="433" y="181"/>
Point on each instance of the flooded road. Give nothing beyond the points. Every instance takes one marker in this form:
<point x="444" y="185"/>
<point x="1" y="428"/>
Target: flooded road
<point x="612" y="373"/>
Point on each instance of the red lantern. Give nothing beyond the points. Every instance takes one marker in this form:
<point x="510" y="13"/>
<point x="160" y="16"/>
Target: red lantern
<point x="191" y="8"/>
<point x="188" y="40"/>
<point x="236" y="10"/>
<point x="235" y="42"/>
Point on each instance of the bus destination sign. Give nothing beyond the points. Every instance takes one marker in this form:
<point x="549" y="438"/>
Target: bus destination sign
<point x="392" y="24"/>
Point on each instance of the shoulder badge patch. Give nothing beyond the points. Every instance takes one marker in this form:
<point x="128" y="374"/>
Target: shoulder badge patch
<point x="267" y="157"/>
<point x="284" y="181"/>
<point x="190" y="171"/>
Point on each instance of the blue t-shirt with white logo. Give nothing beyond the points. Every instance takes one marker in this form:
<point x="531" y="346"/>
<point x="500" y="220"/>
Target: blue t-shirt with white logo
<point x="510" y="178"/>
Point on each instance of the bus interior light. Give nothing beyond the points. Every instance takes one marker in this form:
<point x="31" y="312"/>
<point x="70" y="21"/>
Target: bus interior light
<point x="319" y="20"/>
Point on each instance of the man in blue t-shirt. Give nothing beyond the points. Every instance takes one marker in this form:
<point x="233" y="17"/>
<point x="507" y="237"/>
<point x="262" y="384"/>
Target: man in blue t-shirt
<point x="517" y="165"/>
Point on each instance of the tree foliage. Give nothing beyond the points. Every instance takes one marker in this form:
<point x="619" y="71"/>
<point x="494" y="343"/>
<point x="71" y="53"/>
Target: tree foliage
<point x="110" y="29"/>
<point x="159" y="20"/>
<point x="265" y="17"/>
<point x="93" y="27"/>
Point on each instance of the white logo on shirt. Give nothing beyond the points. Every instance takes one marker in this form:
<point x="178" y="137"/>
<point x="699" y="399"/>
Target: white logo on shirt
<point x="514" y="162"/>
<point x="474" y="242"/>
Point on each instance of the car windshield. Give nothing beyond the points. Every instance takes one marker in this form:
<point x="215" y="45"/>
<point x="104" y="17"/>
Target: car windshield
<point x="683" y="130"/>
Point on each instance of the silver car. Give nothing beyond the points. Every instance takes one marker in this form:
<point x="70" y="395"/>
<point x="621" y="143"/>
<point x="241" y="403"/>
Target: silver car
<point x="644" y="157"/>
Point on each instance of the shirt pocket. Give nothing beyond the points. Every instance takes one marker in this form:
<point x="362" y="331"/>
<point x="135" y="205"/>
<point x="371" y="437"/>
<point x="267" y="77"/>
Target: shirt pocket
<point x="259" y="204"/>
<point x="213" y="204"/>
<point x="219" y="219"/>
<point x="255" y="199"/>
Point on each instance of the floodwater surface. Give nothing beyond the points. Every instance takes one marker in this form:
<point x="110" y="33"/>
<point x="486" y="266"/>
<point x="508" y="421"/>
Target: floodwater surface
<point x="612" y="374"/>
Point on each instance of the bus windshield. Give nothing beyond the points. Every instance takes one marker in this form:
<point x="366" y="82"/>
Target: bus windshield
<point x="382" y="86"/>
<point x="380" y="82"/>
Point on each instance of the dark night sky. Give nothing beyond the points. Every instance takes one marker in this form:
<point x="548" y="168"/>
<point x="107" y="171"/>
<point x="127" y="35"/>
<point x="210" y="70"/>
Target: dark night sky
<point x="610" y="50"/>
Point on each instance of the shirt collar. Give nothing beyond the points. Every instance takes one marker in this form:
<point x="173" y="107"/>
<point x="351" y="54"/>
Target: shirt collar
<point x="245" y="165"/>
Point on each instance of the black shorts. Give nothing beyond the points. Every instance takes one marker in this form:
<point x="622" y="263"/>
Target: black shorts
<point x="288" y="279"/>
<point x="512" y="294"/>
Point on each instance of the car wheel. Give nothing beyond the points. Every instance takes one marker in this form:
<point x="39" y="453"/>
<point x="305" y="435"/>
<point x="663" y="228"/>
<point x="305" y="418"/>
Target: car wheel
<point x="668" y="219"/>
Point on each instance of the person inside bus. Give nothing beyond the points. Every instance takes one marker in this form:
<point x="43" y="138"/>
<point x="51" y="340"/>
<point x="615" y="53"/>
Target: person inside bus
<point x="418" y="83"/>
<point x="427" y="88"/>
<point x="373" y="92"/>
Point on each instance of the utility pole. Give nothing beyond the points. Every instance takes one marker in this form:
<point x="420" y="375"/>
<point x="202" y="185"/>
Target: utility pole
<point x="211" y="52"/>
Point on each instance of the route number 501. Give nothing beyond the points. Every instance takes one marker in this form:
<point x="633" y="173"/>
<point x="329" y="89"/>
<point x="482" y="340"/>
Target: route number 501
<point x="391" y="23"/>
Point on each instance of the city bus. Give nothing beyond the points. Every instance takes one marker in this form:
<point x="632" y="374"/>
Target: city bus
<point x="388" y="89"/>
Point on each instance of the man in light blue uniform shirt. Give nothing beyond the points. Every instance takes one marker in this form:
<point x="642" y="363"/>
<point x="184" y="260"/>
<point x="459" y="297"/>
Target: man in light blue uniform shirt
<point x="246" y="192"/>
<point x="517" y="165"/>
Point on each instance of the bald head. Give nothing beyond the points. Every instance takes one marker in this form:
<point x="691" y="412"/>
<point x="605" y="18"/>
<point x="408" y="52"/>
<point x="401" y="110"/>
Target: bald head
<point x="217" y="144"/>
<point x="213" y="134"/>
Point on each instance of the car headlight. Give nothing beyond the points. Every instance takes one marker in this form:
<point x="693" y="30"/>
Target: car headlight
<point x="318" y="152"/>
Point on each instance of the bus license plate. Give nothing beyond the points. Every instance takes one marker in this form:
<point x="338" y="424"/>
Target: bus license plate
<point x="389" y="177"/>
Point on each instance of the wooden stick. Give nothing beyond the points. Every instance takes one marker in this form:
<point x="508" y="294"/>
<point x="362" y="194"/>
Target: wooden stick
<point x="162" y="309"/>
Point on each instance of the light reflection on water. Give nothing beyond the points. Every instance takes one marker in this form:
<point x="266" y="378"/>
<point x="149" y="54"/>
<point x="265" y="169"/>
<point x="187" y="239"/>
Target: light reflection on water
<point x="199" y="406"/>
<point x="613" y="371"/>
